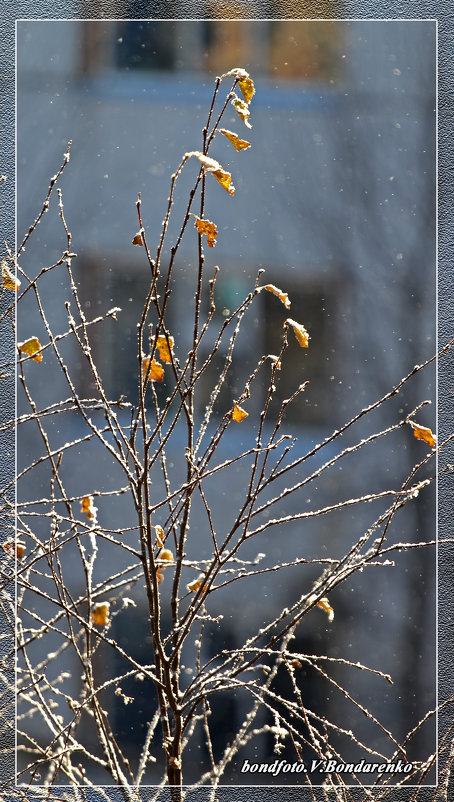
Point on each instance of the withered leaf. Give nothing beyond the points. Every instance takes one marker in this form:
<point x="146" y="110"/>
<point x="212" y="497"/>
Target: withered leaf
<point x="196" y="583"/>
<point x="276" y="291"/>
<point x="212" y="166"/>
<point x="88" y="508"/>
<point x="159" y="532"/>
<point x="300" y="332"/>
<point x="166" y="555"/>
<point x="165" y="348"/>
<point x="238" y="144"/>
<point x="32" y="347"/>
<point x="239" y="414"/>
<point x="242" y="110"/>
<point x="137" y="239"/>
<point x="152" y="369"/>
<point x="208" y="228"/>
<point x="247" y="88"/>
<point x="325" y="605"/>
<point x="9" y="280"/>
<point x="423" y="433"/>
<point x="20" y="547"/>
<point x="100" y="614"/>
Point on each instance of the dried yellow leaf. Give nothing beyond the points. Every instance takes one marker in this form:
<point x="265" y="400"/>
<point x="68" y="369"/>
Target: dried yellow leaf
<point x="32" y="348"/>
<point x="242" y="110"/>
<point x="325" y="605"/>
<point x="247" y="89"/>
<point x="20" y="547"/>
<point x="208" y="228"/>
<point x="88" y="508"/>
<point x="213" y="166"/>
<point x="9" y="280"/>
<point x="152" y="369"/>
<point x="196" y="583"/>
<point x="159" y="532"/>
<point x="238" y="144"/>
<point x="423" y="433"/>
<point x="165" y="554"/>
<point x="225" y="180"/>
<point x="238" y="413"/>
<point x="300" y="332"/>
<point x="165" y="347"/>
<point x="159" y="575"/>
<point x="137" y="239"/>
<point x="296" y="663"/>
<point x="276" y="291"/>
<point x="100" y="614"/>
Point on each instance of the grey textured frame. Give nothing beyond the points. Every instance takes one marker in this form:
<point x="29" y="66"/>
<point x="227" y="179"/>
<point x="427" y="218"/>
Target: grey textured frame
<point x="364" y="9"/>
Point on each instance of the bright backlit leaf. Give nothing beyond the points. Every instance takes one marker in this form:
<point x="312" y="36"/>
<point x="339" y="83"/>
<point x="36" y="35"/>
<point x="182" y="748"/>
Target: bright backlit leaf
<point x="159" y="575"/>
<point x="20" y="547"/>
<point x="196" y="583"/>
<point x="238" y="413"/>
<point x="242" y="110"/>
<point x="100" y="614"/>
<point x="208" y="228"/>
<point x="212" y="166"/>
<point x="88" y="508"/>
<point x="423" y="433"/>
<point x="325" y="605"/>
<point x="166" y="555"/>
<point x="9" y="280"/>
<point x="152" y="369"/>
<point x="300" y="332"/>
<point x="165" y="348"/>
<point x="32" y="347"/>
<point x="247" y="88"/>
<point x="276" y="291"/>
<point x="159" y="532"/>
<point x="238" y="144"/>
<point x="137" y="239"/>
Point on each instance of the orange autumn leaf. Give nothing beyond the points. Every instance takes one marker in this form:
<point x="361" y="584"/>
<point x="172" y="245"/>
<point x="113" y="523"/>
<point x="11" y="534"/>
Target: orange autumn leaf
<point x="166" y="555"/>
<point x="212" y="166"/>
<point x="88" y="508"/>
<point x="299" y="331"/>
<point x="296" y="663"/>
<point x="208" y="228"/>
<point x="137" y="239"/>
<point x="325" y="605"/>
<point x="276" y="291"/>
<point x="247" y="89"/>
<point x="32" y="347"/>
<point x="20" y="547"/>
<point x="242" y="110"/>
<point x="159" y="575"/>
<point x="423" y="433"/>
<point x="196" y="583"/>
<point x="225" y="180"/>
<point x="238" y="413"/>
<point x="152" y="370"/>
<point x="9" y="280"/>
<point x="238" y="144"/>
<point x="159" y="532"/>
<point x="100" y="614"/>
<point x="165" y="348"/>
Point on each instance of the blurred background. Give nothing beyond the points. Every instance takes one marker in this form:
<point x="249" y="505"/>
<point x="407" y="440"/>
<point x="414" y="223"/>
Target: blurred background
<point x="335" y="199"/>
